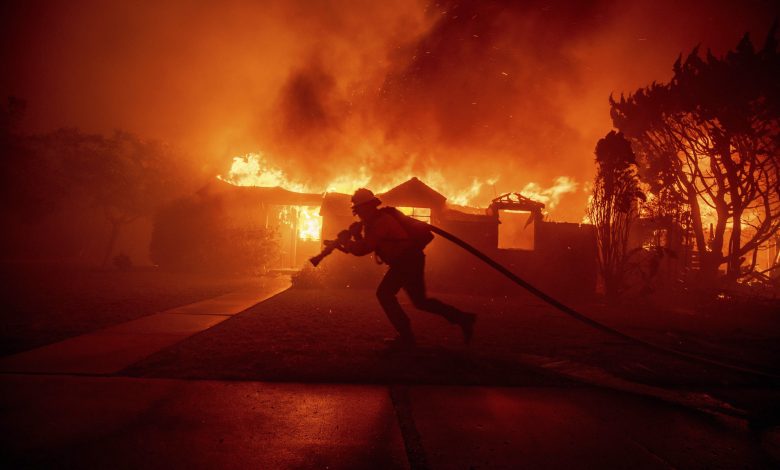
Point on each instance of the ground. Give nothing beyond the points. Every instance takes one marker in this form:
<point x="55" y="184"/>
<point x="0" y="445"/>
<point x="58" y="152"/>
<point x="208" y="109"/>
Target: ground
<point x="335" y="335"/>
<point x="288" y="381"/>
<point x="44" y="303"/>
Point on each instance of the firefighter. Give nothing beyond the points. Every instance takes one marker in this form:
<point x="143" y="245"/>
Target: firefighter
<point x="398" y="241"/>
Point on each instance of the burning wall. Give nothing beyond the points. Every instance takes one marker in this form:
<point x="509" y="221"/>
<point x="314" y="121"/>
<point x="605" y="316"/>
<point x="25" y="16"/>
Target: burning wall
<point x="561" y="257"/>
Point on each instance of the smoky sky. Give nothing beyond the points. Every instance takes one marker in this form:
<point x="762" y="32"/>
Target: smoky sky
<point x="510" y="90"/>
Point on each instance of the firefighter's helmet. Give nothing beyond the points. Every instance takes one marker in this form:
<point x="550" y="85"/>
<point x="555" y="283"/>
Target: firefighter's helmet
<point x="364" y="196"/>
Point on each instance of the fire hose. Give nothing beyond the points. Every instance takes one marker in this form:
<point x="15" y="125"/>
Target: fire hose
<point x="331" y="245"/>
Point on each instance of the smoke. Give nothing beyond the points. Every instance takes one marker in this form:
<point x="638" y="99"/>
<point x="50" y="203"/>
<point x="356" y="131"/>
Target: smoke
<point x="461" y="92"/>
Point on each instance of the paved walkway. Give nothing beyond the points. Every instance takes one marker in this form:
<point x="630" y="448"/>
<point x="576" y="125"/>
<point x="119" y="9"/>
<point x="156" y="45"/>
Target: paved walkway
<point x="117" y="422"/>
<point x="110" y="350"/>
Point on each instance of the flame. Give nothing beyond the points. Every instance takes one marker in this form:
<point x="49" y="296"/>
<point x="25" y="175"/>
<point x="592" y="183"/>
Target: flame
<point x="306" y="220"/>
<point x="309" y="223"/>
<point x="461" y="197"/>
<point x="419" y="213"/>
<point x="347" y="184"/>
<point x="550" y="196"/>
<point x="255" y="169"/>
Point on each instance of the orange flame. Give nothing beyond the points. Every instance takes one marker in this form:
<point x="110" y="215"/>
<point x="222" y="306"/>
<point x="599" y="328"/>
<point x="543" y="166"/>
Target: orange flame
<point x="309" y="223"/>
<point x="550" y="196"/>
<point x="254" y="169"/>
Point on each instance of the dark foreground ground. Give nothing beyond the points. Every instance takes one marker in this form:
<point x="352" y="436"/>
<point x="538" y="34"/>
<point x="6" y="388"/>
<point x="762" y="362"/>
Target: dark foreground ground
<point x="336" y="335"/>
<point x="44" y="303"/>
<point x="303" y="380"/>
<point x="326" y="335"/>
<point x="117" y="422"/>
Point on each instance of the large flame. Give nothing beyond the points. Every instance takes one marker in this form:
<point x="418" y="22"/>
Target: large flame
<point x="550" y="196"/>
<point x="305" y="220"/>
<point x="255" y="169"/>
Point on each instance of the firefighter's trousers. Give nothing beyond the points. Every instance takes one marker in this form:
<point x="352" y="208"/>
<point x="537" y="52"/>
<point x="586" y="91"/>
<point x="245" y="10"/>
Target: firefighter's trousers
<point x="409" y="273"/>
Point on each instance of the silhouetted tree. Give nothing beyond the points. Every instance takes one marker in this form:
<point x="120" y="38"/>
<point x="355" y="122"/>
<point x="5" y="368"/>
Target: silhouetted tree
<point x="123" y="176"/>
<point x="30" y="185"/>
<point x="58" y="187"/>
<point x="710" y="140"/>
<point x="613" y="207"/>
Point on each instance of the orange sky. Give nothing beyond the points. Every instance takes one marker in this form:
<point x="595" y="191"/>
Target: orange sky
<point x="513" y="91"/>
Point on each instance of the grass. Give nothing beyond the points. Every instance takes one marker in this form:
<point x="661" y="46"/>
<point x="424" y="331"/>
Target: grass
<point x="44" y="303"/>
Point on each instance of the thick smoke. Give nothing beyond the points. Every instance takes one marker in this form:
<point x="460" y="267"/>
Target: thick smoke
<point x="452" y="91"/>
<point x="478" y="94"/>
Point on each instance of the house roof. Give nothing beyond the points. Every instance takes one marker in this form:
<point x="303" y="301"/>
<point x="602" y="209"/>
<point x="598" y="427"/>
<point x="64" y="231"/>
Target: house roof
<point x="516" y="201"/>
<point x="413" y="193"/>
<point x="265" y="195"/>
<point x="336" y="203"/>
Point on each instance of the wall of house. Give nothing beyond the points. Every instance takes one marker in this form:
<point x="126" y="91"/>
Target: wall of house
<point x="563" y="262"/>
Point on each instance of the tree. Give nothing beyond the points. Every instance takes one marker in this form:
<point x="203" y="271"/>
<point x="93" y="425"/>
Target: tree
<point x="123" y="176"/>
<point x="30" y="186"/>
<point x="613" y="207"/>
<point x="60" y="187"/>
<point x="709" y="140"/>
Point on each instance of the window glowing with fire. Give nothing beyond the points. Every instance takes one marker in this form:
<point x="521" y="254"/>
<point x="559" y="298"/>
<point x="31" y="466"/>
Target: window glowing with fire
<point x="309" y="223"/>
<point x="304" y="220"/>
<point x="419" y="213"/>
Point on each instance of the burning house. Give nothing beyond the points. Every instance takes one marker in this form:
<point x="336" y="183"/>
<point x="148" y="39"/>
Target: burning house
<point x="559" y="257"/>
<point x="292" y="216"/>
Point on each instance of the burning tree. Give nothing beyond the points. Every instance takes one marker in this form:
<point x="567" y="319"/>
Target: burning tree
<point x="709" y="140"/>
<point x="613" y="206"/>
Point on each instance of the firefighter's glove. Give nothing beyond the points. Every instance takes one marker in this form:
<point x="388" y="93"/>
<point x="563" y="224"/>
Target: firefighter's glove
<point x="344" y="237"/>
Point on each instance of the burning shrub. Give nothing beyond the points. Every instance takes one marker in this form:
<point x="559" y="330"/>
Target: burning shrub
<point x="194" y="234"/>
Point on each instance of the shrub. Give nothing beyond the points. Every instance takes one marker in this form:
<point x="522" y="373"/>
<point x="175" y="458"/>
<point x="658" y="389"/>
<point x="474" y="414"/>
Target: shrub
<point x="193" y="234"/>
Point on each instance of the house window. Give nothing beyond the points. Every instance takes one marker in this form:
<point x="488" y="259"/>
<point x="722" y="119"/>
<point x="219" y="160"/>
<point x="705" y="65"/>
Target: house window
<point x="516" y="230"/>
<point x="419" y="213"/>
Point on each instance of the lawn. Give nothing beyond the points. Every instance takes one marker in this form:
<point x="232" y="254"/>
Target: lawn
<point x="44" y="303"/>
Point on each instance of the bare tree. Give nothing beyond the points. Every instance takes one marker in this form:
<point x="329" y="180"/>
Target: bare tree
<point x="613" y="207"/>
<point x="710" y="140"/>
